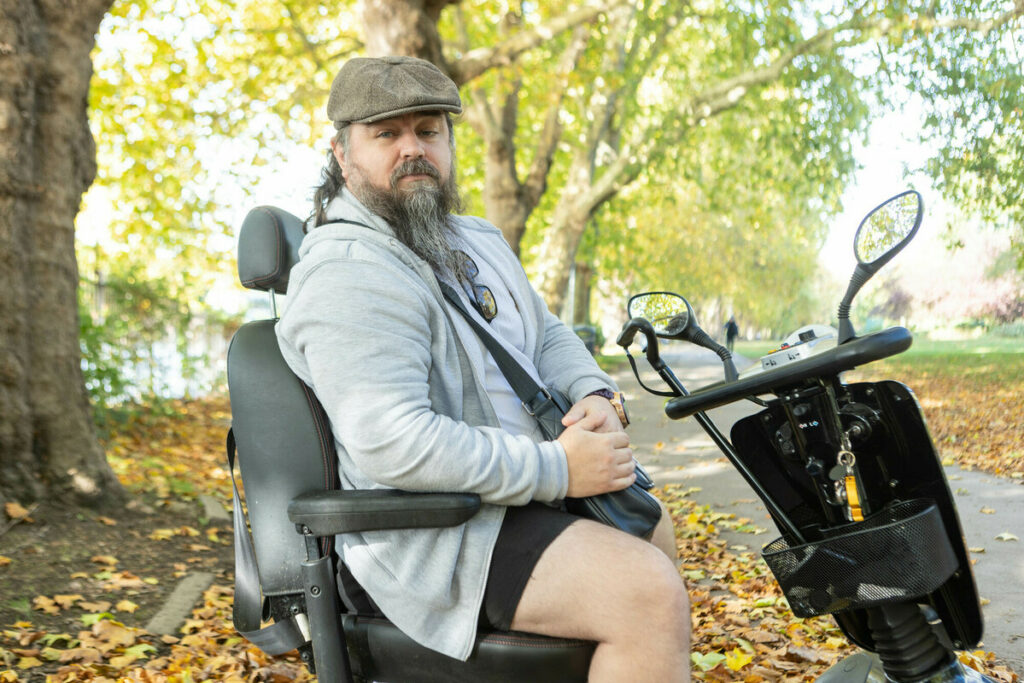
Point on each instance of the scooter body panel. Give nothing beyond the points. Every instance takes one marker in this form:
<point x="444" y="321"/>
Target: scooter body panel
<point x="896" y="461"/>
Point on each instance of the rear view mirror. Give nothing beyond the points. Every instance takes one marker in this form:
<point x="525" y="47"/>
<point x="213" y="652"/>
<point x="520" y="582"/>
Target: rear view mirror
<point x="881" y="235"/>
<point x="670" y="314"/>
<point x="887" y="229"/>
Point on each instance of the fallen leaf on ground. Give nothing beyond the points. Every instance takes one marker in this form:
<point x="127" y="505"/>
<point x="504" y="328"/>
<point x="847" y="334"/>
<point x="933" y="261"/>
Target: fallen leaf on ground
<point x="15" y="510"/>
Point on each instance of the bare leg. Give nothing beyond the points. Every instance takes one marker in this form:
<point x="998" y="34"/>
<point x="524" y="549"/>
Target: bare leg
<point x="598" y="583"/>
<point x="664" y="535"/>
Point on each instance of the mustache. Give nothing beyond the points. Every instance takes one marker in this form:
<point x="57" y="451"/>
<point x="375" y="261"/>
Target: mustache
<point x="414" y="167"/>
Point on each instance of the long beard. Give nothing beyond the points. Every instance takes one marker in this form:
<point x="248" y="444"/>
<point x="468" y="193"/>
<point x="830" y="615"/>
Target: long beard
<point x="420" y="215"/>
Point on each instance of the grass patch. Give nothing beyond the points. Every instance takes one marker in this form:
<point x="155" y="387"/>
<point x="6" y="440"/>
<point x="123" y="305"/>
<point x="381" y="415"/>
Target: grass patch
<point x="755" y="349"/>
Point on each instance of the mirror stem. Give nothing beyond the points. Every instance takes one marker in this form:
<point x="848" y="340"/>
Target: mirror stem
<point x="857" y="280"/>
<point x="701" y="338"/>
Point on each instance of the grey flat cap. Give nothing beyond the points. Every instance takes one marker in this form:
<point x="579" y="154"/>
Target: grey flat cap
<point x="369" y="89"/>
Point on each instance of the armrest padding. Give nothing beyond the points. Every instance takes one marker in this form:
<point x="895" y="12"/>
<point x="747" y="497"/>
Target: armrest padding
<point x="327" y="513"/>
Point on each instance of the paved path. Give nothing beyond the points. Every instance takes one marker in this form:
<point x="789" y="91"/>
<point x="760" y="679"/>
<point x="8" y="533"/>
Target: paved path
<point x="989" y="506"/>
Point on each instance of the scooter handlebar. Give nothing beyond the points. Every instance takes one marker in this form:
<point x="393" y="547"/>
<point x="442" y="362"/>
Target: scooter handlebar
<point x="847" y="356"/>
<point x="628" y="334"/>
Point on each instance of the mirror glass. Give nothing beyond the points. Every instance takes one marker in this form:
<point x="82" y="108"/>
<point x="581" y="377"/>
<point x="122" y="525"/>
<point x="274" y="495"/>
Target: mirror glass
<point x="887" y="227"/>
<point x="669" y="314"/>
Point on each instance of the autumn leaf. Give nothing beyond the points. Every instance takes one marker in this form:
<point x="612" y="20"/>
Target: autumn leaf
<point x="92" y="619"/>
<point x="737" y="659"/>
<point x="66" y="601"/>
<point x="82" y="654"/>
<point x="45" y="604"/>
<point x="29" y="663"/>
<point x="4" y="561"/>
<point x="109" y="560"/>
<point x="98" y="606"/>
<point x="1006" y="536"/>
<point x="15" y="510"/>
<point x="126" y="606"/>
<point x="706" y="662"/>
<point x="107" y="520"/>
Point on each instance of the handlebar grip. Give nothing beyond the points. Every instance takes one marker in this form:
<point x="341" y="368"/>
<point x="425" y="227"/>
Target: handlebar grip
<point x="629" y="331"/>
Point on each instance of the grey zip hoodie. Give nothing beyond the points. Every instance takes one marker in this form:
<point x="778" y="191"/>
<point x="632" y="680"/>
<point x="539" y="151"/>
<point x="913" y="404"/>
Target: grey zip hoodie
<point x="366" y="326"/>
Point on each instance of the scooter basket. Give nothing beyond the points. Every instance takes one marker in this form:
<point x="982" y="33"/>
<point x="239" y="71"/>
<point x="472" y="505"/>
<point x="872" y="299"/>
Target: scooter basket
<point x="897" y="554"/>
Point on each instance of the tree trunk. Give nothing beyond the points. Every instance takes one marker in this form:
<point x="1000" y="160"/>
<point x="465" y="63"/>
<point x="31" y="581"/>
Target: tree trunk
<point x="408" y="27"/>
<point x="581" y="293"/>
<point x="558" y="252"/>
<point x="48" y="447"/>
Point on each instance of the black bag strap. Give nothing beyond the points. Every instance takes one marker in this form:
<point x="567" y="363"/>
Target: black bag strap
<point x="276" y="638"/>
<point x="535" y="398"/>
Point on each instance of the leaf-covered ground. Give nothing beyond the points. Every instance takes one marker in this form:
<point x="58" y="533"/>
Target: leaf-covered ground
<point x="76" y="588"/>
<point x="972" y="403"/>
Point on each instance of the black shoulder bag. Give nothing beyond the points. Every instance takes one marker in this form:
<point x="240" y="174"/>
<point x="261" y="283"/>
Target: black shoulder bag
<point x="632" y="509"/>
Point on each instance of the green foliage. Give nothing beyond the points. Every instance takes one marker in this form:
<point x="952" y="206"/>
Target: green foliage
<point x="191" y="102"/>
<point x="973" y="87"/>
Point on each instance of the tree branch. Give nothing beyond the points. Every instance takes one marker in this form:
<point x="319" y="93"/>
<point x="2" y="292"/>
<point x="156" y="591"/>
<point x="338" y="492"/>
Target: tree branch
<point x="476" y="62"/>
<point x="551" y="134"/>
<point x="729" y="92"/>
<point x="310" y="46"/>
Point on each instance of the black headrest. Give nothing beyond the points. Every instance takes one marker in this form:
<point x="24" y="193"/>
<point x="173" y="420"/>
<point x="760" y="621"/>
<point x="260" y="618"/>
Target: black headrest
<point x="268" y="247"/>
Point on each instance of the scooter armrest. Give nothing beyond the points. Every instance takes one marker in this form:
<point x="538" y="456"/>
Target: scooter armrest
<point x="326" y="513"/>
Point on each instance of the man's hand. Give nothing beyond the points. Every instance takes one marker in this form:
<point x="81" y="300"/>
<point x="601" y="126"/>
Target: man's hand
<point x="594" y="406"/>
<point x="599" y="460"/>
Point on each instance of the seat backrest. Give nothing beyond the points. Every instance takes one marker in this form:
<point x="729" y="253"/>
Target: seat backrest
<point x="284" y="444"/>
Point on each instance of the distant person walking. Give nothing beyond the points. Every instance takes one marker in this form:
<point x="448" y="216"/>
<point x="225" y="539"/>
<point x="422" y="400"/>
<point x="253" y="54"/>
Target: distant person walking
<point x="731" y="331"/>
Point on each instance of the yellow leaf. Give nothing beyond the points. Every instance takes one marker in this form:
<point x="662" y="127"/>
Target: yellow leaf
<point x="121" y="661"/>
<point x="29" y="663"/>
<point x="4" y="561"/>
<point x="113" y="633"/>
<point x="81" y="654"/>
<point x="98" y="606"/>
<point x="45" y="604"/>
<point x="161" y="534"/>
<point x="104" y="559"/>
<point x="737" y="659"/>
<point x="15" y="510"/>
<point x="108" y="521"/>
<point x="67" y="601"/>
<point x="126" y="606"/>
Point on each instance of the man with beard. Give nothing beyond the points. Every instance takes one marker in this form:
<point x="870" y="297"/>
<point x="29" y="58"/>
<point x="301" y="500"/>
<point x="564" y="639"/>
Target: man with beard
<point x="417" y="402"/>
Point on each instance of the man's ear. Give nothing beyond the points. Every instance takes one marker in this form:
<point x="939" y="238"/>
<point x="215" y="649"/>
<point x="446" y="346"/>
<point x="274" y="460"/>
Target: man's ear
<point x="337" y="149"/>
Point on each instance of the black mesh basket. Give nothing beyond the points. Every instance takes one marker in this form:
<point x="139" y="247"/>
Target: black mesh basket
<point x="897" y="554"/>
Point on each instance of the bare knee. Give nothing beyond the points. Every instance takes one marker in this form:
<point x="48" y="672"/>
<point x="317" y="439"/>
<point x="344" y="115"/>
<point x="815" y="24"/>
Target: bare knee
<point x="657" y="592"/>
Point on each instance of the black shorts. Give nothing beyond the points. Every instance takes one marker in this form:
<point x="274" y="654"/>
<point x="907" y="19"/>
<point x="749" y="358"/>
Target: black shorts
<point x="525" y="534"/>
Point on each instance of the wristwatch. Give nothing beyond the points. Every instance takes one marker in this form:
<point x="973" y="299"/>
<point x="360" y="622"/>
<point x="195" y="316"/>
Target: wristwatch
<point x="618" y="400"/>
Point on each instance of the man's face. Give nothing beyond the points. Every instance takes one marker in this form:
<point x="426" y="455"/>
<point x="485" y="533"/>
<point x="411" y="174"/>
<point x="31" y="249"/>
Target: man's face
<point x="377" y="152"/>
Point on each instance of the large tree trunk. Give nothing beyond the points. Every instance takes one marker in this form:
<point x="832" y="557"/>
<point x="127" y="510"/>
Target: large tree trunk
<point x="48" y="447"/>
